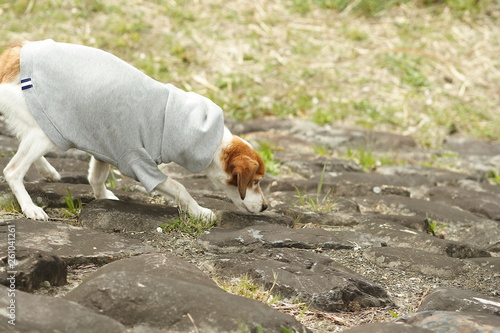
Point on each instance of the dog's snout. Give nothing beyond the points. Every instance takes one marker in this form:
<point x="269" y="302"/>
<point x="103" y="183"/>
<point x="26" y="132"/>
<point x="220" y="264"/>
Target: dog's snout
<point x="263" y="208"/>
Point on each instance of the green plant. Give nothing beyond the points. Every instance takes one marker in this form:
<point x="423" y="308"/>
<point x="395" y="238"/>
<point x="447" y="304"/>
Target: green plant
<point x="246" y="287"/>
<point x="74" y="207"/>
<point x="393" y="314"/>
<point x="317" y="202"/>
<point x="433" y="227"/>
<point x="187" y="224"/>
<point x="494" y="176"/>
<point x="266" y="151"/>
<point x="8" y="203"/>
<point x="364" y="158"/>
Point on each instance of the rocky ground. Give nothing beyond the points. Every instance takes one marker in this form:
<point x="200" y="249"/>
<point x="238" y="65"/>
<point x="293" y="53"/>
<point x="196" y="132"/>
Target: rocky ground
<point x="366" y="232"/>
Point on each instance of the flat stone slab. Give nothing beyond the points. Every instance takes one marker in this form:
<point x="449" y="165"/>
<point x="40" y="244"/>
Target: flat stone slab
<point x="446" y="321"/>
<point x="166" y="292"/>
<point x="306" y="276"/>
<point x="393" y="327"/>
<point x="481" y="203"/>
<point x="451" y="299"/>
<point x="396" y="235"/>
<point x="276" y="236"/>
<point x="34" y="313"/>
<point x="467" y="227"/>
<point x="31" y="268"/>
<point x="125" y="216"/>
<point x="74" y="245"/>
<point x="415" y="260"/>
<point x="492" y="263"/>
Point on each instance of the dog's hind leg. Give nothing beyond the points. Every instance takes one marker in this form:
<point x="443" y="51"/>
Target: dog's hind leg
<point x="32" y="147"/>
<point x="47" y="170"/>
<point x="98" y="173"/>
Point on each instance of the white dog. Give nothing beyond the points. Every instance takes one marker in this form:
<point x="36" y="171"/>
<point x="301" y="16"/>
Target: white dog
<point x="62" y="96"/>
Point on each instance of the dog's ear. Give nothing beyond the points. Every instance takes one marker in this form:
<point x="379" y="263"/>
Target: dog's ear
<point x="244" y="172"/>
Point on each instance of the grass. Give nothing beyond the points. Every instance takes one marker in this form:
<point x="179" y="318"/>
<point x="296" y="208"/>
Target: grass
<point x="187" y="224"/>
<point x="247" y="287"/>
<point x="417" y="67"/>
<point x="436" y="229"/>
<point x="317" y="202"/>
<point x="266" y="151"/>
<point x="73" y="206"/>
<point x="9" y="204"/>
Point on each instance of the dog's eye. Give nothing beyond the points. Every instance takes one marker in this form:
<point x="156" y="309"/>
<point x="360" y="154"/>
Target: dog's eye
<point x="256" y="181"/>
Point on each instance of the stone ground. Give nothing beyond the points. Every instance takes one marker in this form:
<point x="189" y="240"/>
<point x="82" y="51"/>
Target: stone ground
<point x="347" y="245"/>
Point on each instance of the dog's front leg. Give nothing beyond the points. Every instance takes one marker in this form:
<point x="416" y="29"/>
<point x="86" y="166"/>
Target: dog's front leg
<point x="175" y="190"/>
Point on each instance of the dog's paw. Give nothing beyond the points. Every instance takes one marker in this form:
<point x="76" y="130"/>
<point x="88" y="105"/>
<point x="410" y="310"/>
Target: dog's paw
<point x="107" y="194"/>
<point x="35" y="213"/>
<point x="206" y="214"/>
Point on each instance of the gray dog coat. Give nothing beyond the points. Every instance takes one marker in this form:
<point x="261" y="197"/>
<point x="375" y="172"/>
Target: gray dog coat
<point x="89" y="99"/>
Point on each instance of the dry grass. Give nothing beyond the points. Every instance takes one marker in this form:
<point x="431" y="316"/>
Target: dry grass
<point x="426" y="71"/>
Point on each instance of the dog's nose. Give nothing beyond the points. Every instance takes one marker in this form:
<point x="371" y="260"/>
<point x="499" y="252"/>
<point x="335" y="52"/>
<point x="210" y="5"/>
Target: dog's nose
<point x="264" y="207"/>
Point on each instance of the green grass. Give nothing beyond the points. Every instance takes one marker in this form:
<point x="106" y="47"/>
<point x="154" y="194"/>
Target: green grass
<point x="187" y="224"/>
<point x="73" y="206"/>
<point x="317" y="202"/>
<point x="266" y="151"/>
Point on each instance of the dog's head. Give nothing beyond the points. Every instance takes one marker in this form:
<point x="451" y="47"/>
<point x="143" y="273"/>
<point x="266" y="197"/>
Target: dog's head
<point x="243" y="170"/>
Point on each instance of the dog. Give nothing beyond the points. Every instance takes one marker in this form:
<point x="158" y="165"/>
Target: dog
<point x="59" y="96"/>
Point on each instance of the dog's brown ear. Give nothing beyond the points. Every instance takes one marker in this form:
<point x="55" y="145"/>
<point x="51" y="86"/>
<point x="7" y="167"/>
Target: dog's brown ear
<point x="244" y="174"/>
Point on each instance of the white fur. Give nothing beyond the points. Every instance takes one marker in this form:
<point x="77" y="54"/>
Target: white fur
<point x="34" y="144"/>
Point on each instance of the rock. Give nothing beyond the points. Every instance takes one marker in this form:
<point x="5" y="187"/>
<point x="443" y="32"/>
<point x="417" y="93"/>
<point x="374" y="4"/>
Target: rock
<point x="121" y="216"/>
<point x="416" y="223"/>
<point x="276" y="236"/>
<point x="451" y="299"/>
<point x="453" y="322"/>
<point x="236" y="220"/>
<point x="304" y="276"/>
<point x="395" y="235"/>
<point x="470" y="146"/>
<point x="492" y="263"/>
<point x="163" y="291"/>
<point x="415" y="260"/>
<point x="35" y="313"/>
<point x="387" y="328"/>
<point x="74" y="245"/>
<point x="32" y="267"/>
<point x="335" y="137"/>
<point x="433" y="176"/>
<point x="481" y="203"/>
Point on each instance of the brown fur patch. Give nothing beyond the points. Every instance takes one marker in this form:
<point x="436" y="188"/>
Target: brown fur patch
<point x="236" y="153"/>
<point x="10" y="64"/>
<point x="244" y="165"/>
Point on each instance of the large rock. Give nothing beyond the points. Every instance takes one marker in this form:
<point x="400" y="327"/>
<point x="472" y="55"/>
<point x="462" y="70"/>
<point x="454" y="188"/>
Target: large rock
<point x="122" y="216"/>
<point x="481" y="203"/>
<point x="387" y="328"/>
<point x="34" y="313"/>
<point x="163" y="291"/>
<point x="451" y="299"/>
<point x="464" y="226"/>
<point x="74" y="245"/>
<point x="276" y="236"/>
<point x="415" y="260"/>
<point x="305" y="276"/>
<point x="396" y="235"/>
<point x="30" y="268"/>
<point x="453" y="322"/>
